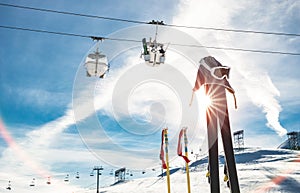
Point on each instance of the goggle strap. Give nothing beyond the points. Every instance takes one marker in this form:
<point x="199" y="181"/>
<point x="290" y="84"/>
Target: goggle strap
<point x="234" y="98"/>
<point x="192" y="98"/>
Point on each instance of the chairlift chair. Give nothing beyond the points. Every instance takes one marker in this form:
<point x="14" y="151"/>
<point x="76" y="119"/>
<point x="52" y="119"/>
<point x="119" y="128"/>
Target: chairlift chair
<point x="66" y="178"/>
<point x="153" y="52"/>
<point x="32" y="182"/>
<point x="77" y="175"/>
<point x="9" y="186"/>
<point x="96" y="64"/>
<point x="48" y="181"/>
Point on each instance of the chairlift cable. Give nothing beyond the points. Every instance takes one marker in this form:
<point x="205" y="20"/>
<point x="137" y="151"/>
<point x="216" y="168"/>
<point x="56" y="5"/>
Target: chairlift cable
<point x="45" y="31"/>
<point x="235" y="30"/>
<point x="72" y="13"/>
<point x="151" y="23"/>
<point x="240" y="49"/>
<point x="138" y="41"/>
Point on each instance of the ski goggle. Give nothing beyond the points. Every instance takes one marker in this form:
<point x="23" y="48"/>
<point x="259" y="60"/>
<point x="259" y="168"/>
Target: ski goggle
<point x="218" y="72"/>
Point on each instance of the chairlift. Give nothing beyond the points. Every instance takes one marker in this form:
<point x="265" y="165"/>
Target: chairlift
<point x="111" y="172"/>
<point x="32" y="182"/>
<point x="77" y="175"/>
<point x="9" y="186"/>
<point x="153" y="52"/>
<point x="49" y="181"/>
<point x="66" y="178"/>
<point x="92" y="173"/>
<point x="96" y="64"/>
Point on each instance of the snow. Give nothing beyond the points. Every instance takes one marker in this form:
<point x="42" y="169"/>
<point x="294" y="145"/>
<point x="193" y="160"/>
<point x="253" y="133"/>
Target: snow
<point x="259" y="170"/>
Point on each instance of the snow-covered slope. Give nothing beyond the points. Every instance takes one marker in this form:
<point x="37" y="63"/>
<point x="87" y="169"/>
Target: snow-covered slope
<point x="259" y="170"/>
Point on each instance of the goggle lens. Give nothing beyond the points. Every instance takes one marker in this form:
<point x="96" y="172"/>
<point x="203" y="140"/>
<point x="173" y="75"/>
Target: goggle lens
<point x="220" y="72"/>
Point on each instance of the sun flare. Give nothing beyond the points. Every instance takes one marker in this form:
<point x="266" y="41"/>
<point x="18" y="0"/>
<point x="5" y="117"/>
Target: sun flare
<point x="206" y="100"/>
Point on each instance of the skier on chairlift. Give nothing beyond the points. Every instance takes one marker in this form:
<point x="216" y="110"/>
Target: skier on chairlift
<point x="153" y="52"/>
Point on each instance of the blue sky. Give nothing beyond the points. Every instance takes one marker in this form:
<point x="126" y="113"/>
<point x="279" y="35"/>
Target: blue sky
<point x="39" y="72"/>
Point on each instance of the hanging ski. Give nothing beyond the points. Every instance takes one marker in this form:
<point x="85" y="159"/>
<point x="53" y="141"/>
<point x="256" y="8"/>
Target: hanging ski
<point x="213" y="76"/>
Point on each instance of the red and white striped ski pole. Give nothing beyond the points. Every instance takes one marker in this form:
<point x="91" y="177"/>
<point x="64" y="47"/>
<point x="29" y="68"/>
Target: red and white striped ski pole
<point x="185" y="156"/>
<point x="164" y="148"/>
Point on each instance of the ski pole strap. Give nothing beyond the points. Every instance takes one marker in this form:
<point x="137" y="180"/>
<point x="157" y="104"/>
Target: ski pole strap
<point x="162" y="154"/>
<point x="179" y="147"/>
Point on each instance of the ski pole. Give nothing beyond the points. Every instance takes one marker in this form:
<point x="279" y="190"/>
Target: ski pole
<point x="186" y="163"/>
<point x="167" y="158"/>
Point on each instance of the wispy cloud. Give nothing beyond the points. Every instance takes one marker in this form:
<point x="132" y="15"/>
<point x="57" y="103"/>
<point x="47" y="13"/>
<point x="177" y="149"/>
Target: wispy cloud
<point x="252" y="76"/>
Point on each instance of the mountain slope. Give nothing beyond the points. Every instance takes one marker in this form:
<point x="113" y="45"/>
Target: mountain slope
<point x="259" y="170"/>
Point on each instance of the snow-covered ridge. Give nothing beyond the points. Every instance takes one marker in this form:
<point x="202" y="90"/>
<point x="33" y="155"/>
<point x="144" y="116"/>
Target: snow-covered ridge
<point x="259" y="170"/>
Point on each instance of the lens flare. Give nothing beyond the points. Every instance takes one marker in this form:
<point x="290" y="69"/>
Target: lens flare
<point x="206" y="101"/>
<point x="20" y="152"/>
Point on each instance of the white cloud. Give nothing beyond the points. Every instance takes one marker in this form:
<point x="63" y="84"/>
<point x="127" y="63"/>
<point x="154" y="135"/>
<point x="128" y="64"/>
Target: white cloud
<point x="36" y="97"/>
<point x="252" y="77"/>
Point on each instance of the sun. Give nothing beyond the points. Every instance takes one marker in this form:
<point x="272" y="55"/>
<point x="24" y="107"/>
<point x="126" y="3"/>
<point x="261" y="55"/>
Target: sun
<point x="206" y="100"/>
